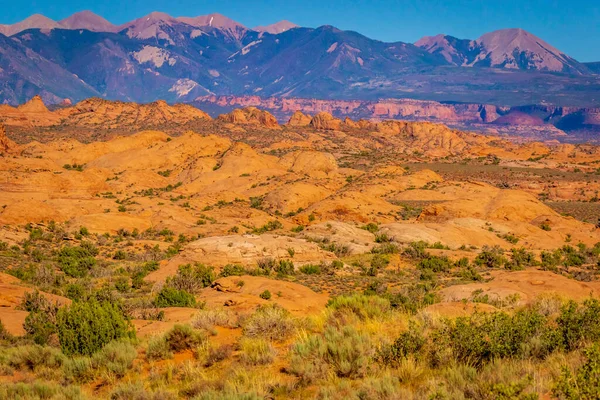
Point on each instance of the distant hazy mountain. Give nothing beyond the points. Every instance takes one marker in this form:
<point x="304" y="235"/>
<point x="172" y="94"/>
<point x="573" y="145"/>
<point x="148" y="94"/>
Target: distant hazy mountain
<point x="181" y="58"/>
<point x="506" y="48"/>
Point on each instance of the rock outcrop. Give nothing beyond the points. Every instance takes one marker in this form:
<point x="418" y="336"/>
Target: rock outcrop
<point x="250" y="116"/>
<point x="326" y="121"/>
<point x="299" y="119"/>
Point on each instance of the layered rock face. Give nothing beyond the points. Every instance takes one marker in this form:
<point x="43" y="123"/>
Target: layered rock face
<point x="6" y="145"/>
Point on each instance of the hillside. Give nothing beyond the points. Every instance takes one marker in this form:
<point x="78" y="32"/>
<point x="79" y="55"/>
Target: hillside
<point x="151" y="251"/>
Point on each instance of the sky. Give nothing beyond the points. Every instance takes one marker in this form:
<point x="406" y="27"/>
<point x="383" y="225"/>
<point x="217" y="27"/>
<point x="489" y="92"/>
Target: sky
<point x="572" y="26"/>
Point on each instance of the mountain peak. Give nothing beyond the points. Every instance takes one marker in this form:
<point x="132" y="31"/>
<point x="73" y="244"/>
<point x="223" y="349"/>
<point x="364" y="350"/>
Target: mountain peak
<point x="87" y="20"/>
<point x="149" y="26"/>
<point x="516" y="48"/>
<point x="277" y="27"/>
<point x="512" y="48"/>
<point x="36" y="21"/>
<point x="215" y="20"/>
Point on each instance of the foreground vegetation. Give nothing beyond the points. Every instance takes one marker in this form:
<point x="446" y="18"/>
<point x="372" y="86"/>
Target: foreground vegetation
<point x="373" y="342"/>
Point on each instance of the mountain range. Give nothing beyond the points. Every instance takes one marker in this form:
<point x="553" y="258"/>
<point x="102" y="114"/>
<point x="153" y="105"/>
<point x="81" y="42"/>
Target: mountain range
<point x="181" y="59"/>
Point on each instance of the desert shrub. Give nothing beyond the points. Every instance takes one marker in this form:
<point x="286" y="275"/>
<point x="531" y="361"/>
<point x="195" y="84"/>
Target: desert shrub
<point x="415" y="250"/>
<point x="257" y="351"/>
<point x="39" y="391"/>
<point x="481" y="337"/>
<point x="184" y="337"/>
<point x="40" y="326"/>
<point x="171" y="297"/>
<point x="519" y="259"/>
<point x="285" y="267"/>
<point x="4" y="334"/>
<point x="551" y="260"/>
<point x="371" y="227"/>
<point x="85" y="327"/>
<point x="266" y="295"/>
<point x="386" y="248"/>
<point x="378" y="262"/>
<point x="232" y="270"/>
<point x="572" y="257"/>
<point x="579" y="323"/>
<point x="361" y="306"/>
<point x="344" y="351"/>
<point x="158" y="349"/>
<point x="413" y="297"/>
<point x="340" y="250"/>
<point x="268" y="227"/>
<point x="217" y="354"/>
<point x="35" y="356"/>
<point x="383" y="238"/>
<point x="435" y="264"/>
<point x="584" y="383"/>
<point x="491" y="257"/>
<point x="192" y="278"/>
<point x="137" y="391"/>
<point x="117" y="357"/>
<point x="270" y="321"/>
<point x="209" y="318"/>
<point x="79" y="369"/>
<point x="265" y="266"/>
<point x="470" y="273"/>
<point x="409" y="343"/>
<point x="76" y="261"/>
<point x="310" y="269"/>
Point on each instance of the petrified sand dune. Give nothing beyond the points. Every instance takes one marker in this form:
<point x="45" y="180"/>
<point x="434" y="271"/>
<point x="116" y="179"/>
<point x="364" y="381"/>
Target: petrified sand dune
<point x="297" y="299"/>
<point x="527" y="285"/>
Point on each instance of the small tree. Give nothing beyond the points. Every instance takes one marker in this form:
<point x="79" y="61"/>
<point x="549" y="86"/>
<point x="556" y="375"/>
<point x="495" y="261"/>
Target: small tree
<point x="86" y="327"/>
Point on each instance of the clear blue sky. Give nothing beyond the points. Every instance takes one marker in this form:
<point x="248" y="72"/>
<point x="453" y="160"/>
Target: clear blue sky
<point x="573" y="26"/>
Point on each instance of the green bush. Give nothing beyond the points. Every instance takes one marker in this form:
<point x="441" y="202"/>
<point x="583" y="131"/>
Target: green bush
<point x="192" y="278"/>
<point x="86" y="327"/>
<point x="583" y="384"/>
<point x="482" y="337"/>
<point x="266" y="295"/>
<point x="310" y="269"/>
<point x="232" y="270"/>
<point x="413" y="297"/>
<point x="491" y="257"/>
<point x="409" y="343"/>
<point x="579" y="323"/>
<point x="285" y="267"/>
<point x="415" y="250"/>
<point x="171" y="297"/>
<point x="77" y="261"/>
<point x="435" y="264"/>
<point x="39" y="326"/>
<point x="519" y="259"/>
